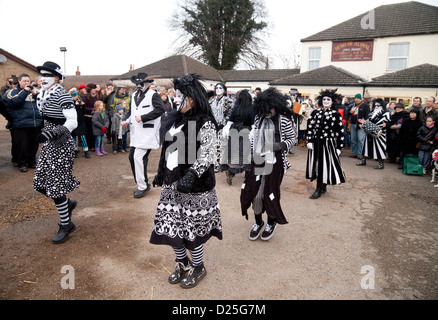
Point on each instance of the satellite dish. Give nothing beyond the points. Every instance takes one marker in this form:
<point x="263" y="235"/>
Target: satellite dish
<point x="2" y="58"/>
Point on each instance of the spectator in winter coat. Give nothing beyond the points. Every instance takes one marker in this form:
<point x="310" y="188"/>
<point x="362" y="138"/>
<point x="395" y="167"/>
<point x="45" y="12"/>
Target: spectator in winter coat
<point x="393" y="139"/>
<point x="426" y="137"/>
<point x="26" y="122"/>
<point x="100" y="123"/>
<point x="359" y="110"/>
<point x="429" y="110"/>
<point x="408" y="136"/>
<point x="89" y="99"/>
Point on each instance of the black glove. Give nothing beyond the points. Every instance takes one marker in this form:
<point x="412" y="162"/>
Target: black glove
<point x="279" y="146"/>
<point x="276" y="146"/>
<point x="158" y="181"/>
<point x="185" y="184"/>
<point x="45" y="136"/>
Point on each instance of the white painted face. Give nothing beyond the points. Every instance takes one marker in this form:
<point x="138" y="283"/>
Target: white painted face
<point x="219" y="90"/>
<point x="143" y="86"/>
<point x="327" y="101"/>
<point x="377" y="105"/>
<point x="48" y="79"/>
<point x="179" y="99"/>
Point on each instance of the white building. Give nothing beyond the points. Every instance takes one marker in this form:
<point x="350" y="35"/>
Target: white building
<point x="384" y="40"/>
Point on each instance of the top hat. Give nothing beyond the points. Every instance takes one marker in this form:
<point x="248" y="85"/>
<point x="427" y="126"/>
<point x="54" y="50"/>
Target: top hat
<point x="51" y="67"/>
<point x="140" y="78"/>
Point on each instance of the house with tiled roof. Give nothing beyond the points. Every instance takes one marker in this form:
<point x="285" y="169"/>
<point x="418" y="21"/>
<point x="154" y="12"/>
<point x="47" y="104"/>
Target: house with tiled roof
<point x="251" y="79"/>
<point x="172" y="67"/>
<point x="168" y="68"/>
<point x="309" y="83"/>
<point x="386" y="39"/>
<point x="421" y="81"/>
<point x="13" y="66"/>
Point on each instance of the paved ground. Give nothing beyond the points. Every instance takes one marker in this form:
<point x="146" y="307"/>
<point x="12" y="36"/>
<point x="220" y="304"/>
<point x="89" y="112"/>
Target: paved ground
<point x="374" y="237"/>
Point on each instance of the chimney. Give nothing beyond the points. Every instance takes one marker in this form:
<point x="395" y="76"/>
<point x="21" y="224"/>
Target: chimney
<point x="78" y="73"/>
<point x="131" y="67"/>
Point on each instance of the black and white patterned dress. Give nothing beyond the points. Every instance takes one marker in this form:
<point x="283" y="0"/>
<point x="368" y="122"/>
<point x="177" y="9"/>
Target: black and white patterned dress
<point x="325" y="131"/>
<point x="375" y="148"/>
<point x="188" y="219"/>
<point x="54" y="169"/>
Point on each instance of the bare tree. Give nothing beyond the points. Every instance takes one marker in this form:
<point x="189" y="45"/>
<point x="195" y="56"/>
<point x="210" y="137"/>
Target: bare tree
<point x="291" y="58"/>
<point x="221" y="33"/>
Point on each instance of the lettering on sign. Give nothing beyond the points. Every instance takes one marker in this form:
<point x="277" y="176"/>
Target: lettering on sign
<point x="360" y="50"/>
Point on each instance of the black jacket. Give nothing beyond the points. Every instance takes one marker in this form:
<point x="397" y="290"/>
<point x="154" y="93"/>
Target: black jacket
<point x="206" y="181"/>
<point x="424" y="135"/>
<point x="408" y="136"/>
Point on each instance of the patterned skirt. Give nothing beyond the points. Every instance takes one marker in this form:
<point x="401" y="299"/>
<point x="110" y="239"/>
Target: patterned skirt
<point x="54" y="169"/>
<point x="324" y="163"/>
<point x="186" y="219"/>
<point x="375" y="148"/>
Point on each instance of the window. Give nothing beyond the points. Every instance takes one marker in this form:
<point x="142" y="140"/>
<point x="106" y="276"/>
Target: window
<point x="314" y="58"/>
<point x="405" y="100"/>
<point x="398" y="56"/>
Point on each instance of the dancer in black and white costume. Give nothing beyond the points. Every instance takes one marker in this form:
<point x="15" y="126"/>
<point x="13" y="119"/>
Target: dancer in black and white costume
<point x="325" y="137"/>
<point x="188" y="213"/>
<point x="272" y="136"/>
<point x="375" y="148"/>
<point x="54" y="170"/>
<point x="144" y="123"/>
<point x="221" y="106"/>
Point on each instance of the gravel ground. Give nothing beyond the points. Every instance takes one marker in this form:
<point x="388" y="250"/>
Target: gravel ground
<point x="372" y="238"/>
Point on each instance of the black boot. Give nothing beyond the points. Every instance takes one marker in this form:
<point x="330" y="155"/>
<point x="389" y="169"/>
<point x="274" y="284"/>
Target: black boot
<point x="381" y="165"/>
<point x="63" y="232"/>
<point x="181" y="267"/>
<point x="87" y="155"/>
<point x="318" y="190"/>
<point x="324" y="188"/>
<point x="362" y="162"/>
<point x="229" y="177"/>
<point x="71" y="206"/>
<point x="194" y="276"/>
<point x="76" y="153"/>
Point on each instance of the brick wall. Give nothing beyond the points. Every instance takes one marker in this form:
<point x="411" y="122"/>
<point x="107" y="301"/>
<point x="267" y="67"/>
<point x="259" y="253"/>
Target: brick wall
<point x="11" y="67"/>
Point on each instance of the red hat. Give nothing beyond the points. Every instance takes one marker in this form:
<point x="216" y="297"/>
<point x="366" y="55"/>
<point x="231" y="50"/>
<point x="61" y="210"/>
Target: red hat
<point x="82" y="86"/>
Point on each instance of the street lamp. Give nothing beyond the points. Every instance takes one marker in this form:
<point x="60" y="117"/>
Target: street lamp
<point x="64" y="49"/>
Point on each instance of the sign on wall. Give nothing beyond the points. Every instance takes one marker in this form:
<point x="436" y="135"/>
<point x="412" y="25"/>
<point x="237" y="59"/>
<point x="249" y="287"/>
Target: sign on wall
<point x="360" y="50"/>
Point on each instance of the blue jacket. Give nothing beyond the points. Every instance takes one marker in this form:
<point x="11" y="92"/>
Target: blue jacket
<point x="23" y="109"/>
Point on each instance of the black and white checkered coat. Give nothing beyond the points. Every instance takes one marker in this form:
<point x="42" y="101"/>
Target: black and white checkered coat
<point x="325" y="131"/>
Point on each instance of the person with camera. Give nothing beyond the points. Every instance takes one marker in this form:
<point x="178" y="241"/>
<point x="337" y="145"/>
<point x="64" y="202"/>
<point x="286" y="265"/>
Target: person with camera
<point x="26" y="122"/>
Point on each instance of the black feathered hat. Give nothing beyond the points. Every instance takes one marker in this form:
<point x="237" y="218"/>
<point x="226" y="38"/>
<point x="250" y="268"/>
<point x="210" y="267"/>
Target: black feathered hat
<point x="51" y="67"/>
<point x="190" y="86"/>
<point x="328" y="93"/>
<point x="141" y="78"/>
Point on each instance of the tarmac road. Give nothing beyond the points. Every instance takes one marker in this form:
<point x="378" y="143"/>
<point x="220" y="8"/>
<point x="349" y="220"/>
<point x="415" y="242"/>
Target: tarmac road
<point x="374" y="237"/>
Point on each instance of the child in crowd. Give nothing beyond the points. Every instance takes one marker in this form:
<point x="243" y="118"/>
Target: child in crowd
<point x="100" y="123"/>
<point x="426" y="137"/>
<point x="119" y="132"/>
<point x="81" y="129"/>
